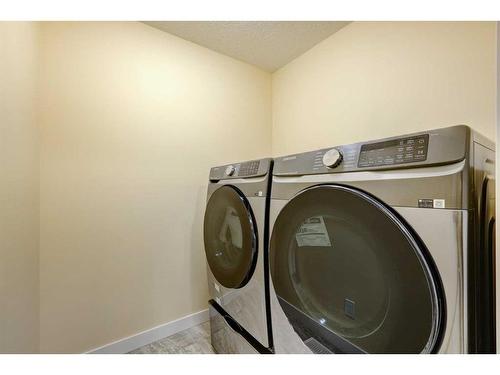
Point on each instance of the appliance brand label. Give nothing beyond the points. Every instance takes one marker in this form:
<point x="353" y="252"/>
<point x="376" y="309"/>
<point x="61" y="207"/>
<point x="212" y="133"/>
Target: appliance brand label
<point x="431" y="203"/>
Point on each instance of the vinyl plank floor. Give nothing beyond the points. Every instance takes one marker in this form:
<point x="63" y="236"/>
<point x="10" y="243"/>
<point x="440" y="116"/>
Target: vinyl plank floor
<point x="195" y="340"/>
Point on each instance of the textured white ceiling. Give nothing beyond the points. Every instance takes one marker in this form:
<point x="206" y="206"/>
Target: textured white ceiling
<point x="266" y="44"/>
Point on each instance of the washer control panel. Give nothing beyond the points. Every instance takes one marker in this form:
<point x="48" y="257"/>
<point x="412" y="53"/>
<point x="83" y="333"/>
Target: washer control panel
<point x="395" y="151"/>
<point x="249" y="168"/>
<point x="332" y="158"/>
<point x="229" y="170"/>
<point x="253" y="168"/>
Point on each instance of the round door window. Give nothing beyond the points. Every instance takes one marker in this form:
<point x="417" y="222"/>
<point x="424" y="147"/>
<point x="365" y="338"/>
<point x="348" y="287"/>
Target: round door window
<point x="350" y="274"/>
<point x="230" y="237"/>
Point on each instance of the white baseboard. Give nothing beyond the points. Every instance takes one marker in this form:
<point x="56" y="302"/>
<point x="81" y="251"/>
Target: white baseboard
<point x="151" y="335"/>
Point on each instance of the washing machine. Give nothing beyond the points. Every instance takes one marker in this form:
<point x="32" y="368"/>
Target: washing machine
<point x="236" y="238"/>
<point x="385" y="246"/>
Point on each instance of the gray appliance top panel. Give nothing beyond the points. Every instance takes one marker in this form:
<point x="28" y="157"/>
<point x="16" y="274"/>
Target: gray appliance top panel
<point x="247" y="169"/>
<point x="433" y="147"/>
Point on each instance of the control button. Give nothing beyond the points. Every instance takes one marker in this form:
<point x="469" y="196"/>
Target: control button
<point x="230" y="170"/>
<point x="332" y="158"/>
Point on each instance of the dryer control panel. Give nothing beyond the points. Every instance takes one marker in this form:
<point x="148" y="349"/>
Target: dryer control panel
<point x="396" y="151"/>
<point x="433" y="147"/>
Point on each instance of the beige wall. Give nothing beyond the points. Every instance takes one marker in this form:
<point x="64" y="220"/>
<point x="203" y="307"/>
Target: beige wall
<point x="18" y="188"/>
<point x="378" y="79"/>
<point x="131" y="120"/>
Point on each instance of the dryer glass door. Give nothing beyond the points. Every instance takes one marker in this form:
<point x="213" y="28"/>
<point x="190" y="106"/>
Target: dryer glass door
<point x="230" y="235"/>
<point x="352" y="276"/>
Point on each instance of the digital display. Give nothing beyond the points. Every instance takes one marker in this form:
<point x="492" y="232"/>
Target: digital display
<point x="395" y="151"/>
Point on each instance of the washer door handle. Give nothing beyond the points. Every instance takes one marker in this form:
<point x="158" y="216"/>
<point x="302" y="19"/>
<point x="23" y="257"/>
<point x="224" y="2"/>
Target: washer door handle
<point x="233" y="324"/>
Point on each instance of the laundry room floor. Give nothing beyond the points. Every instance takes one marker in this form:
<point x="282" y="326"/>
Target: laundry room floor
<point x="195" y="340"/>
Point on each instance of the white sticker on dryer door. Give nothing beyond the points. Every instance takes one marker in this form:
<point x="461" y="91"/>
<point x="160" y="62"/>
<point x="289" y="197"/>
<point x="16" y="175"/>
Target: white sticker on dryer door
<point x="313" y="232"/>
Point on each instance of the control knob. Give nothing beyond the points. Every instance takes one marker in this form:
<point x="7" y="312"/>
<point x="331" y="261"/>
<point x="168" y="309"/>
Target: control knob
<point x="332" y="158"/>
<point x="230" y="170"/>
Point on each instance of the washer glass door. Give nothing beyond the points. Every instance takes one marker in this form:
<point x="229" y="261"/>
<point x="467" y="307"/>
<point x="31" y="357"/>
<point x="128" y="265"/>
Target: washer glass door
<point x="352" y="276"/>
<point x="230" y="236"/>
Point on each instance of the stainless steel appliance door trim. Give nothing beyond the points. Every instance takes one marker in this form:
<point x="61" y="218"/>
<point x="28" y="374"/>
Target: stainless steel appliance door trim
<point x="224" y="338"/>
<point x="447" y="247"/>
<point x="247" y="305"/>
<point x="434" y="282"/>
